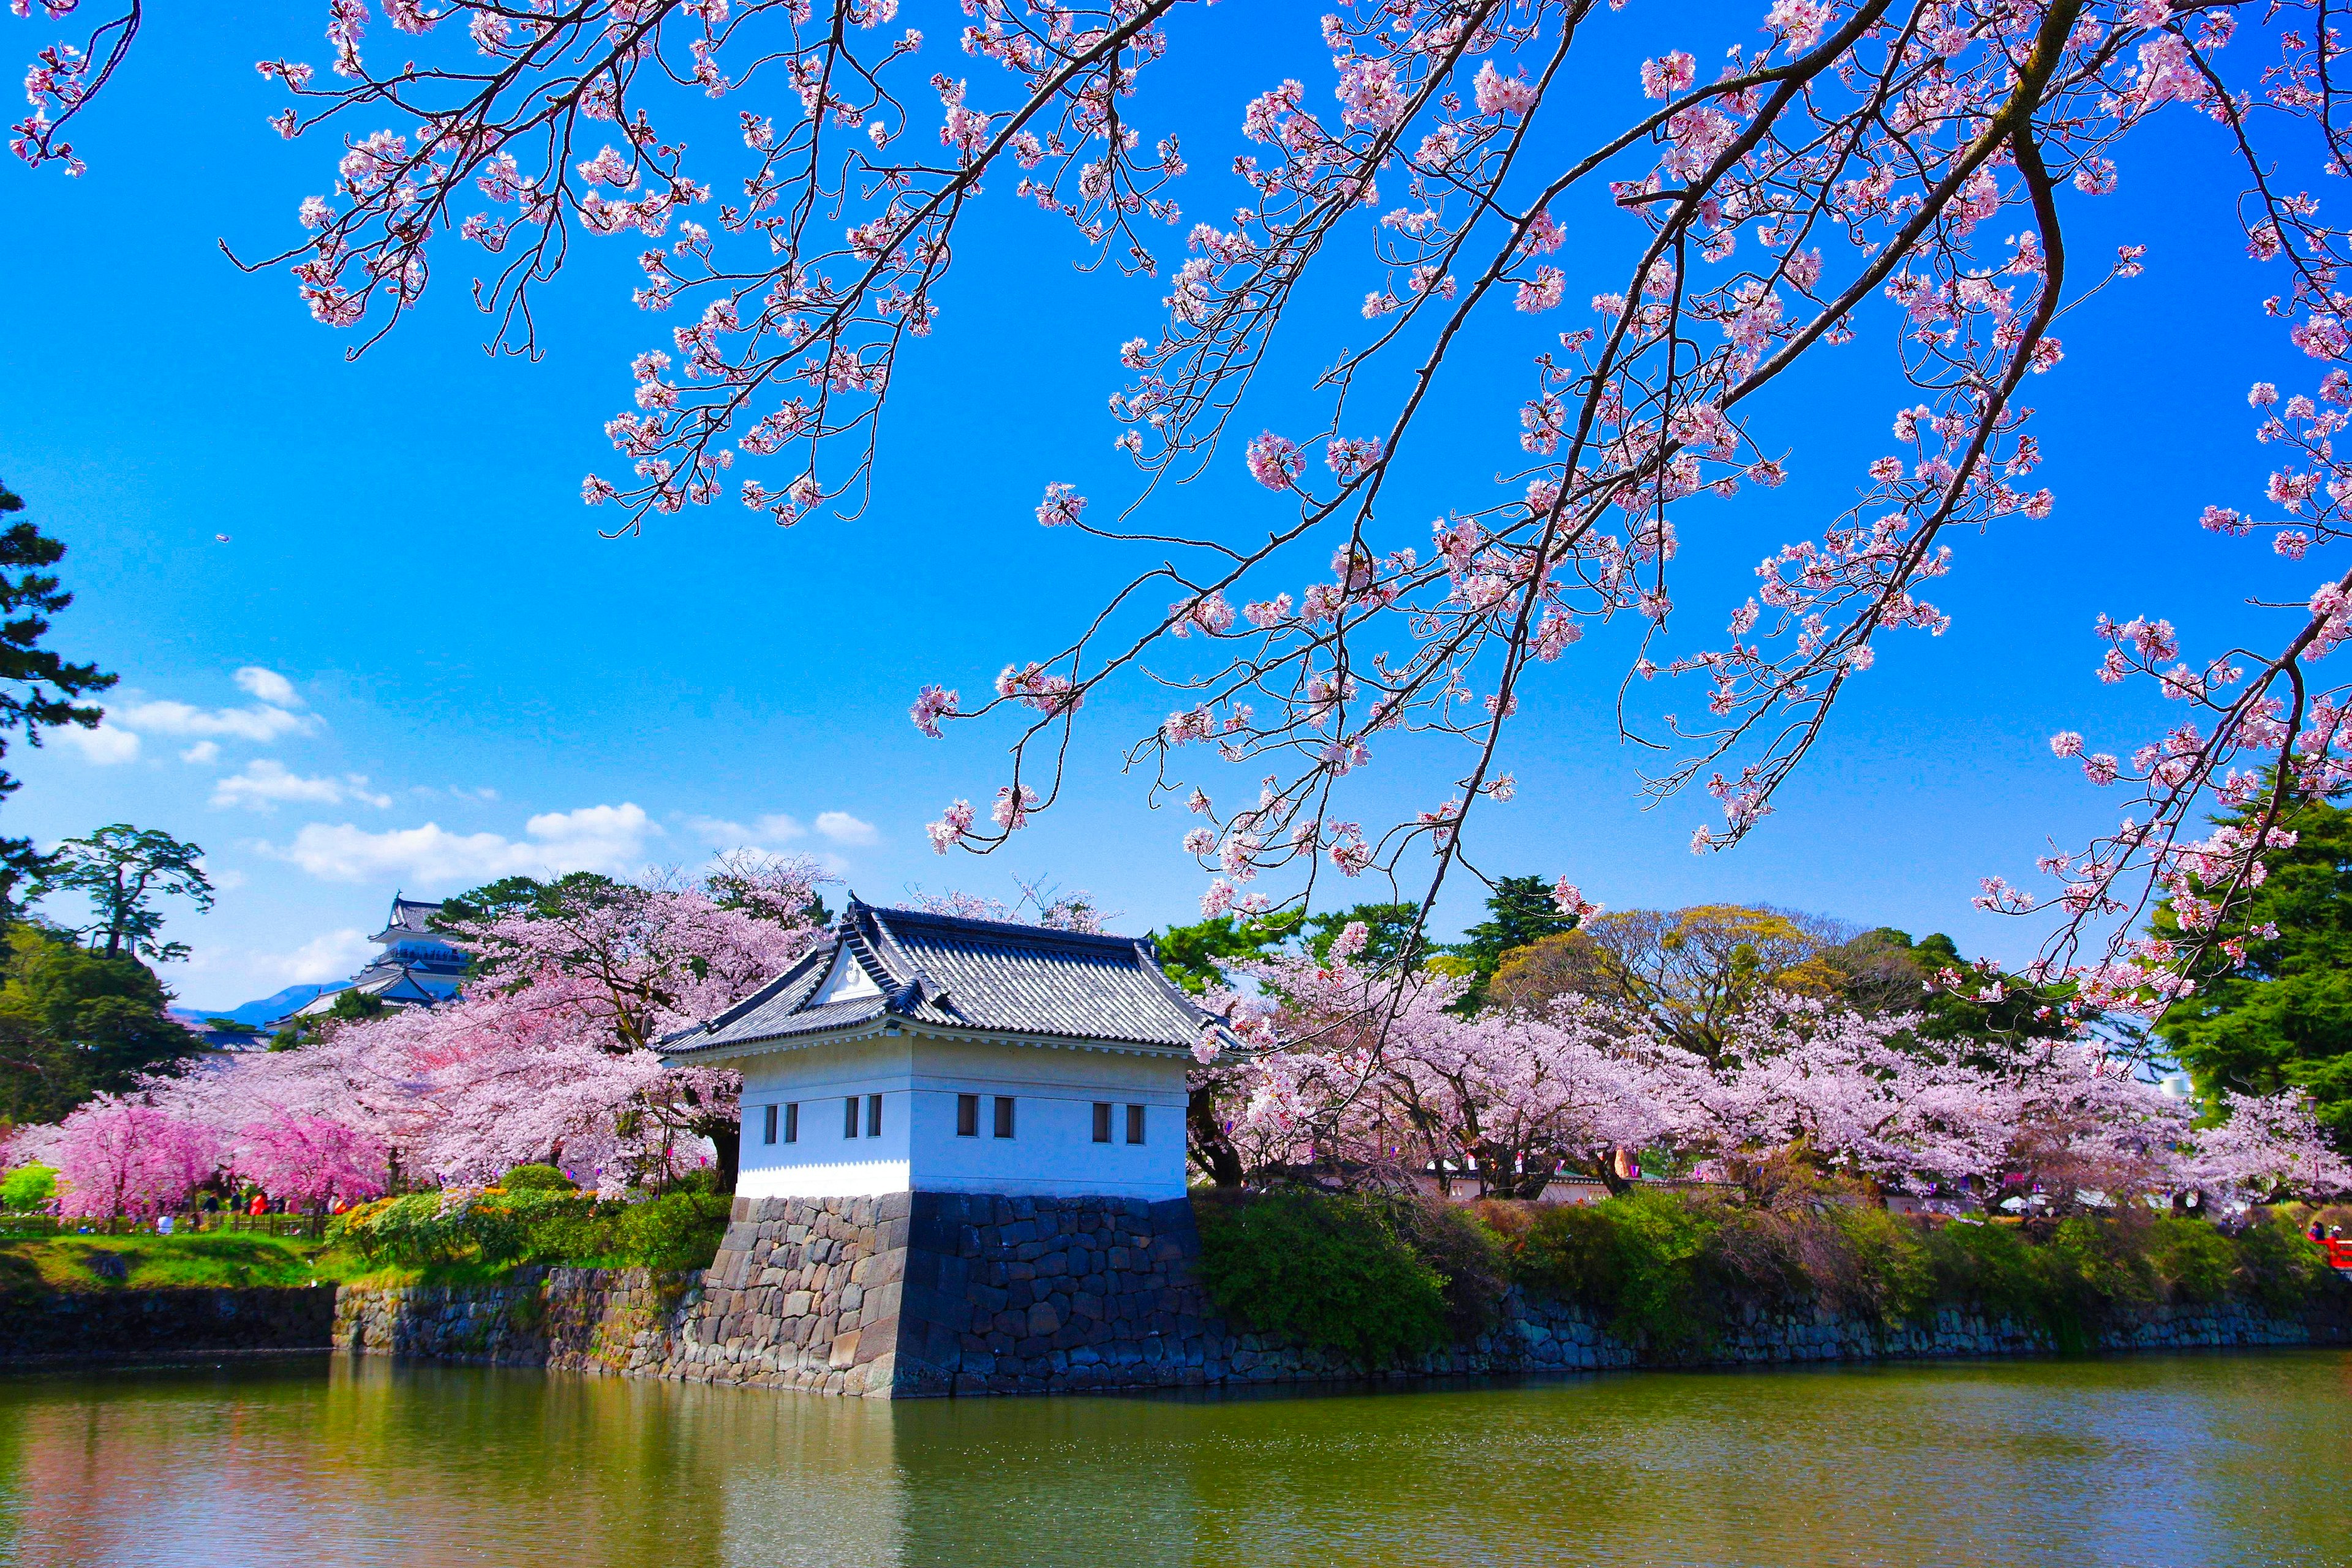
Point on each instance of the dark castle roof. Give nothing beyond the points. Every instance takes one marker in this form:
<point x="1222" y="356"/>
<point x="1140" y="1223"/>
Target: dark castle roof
<point x="956" y="973"/>
<point x="411" y="920"/>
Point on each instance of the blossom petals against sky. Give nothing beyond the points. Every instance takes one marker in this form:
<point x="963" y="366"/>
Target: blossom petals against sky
<point x="370" y="641"/>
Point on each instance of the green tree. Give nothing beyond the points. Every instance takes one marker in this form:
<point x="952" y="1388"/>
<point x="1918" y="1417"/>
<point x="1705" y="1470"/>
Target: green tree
<point x="118" y="869"/>
<point x="2282" y="1017"/>
<point x="1387" y="929"/>
<point x="1196" y="956"/>
<point x="1519" y="913"/>
<point x="1883" y="970"/>
<point x="39" y="690"/>
<point x="1691" y="969"/>
<point x="74" y="1022"/>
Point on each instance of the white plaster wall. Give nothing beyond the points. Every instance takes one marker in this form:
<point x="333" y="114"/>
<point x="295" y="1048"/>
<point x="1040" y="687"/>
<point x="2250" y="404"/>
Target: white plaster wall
<point x="1051" y="1153"/>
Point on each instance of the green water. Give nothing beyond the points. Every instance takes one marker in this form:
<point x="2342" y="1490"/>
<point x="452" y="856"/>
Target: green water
<point x="2199" y="1460"/>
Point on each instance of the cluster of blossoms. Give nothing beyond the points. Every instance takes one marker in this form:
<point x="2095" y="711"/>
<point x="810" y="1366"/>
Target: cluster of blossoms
<point x="545" y="1056"/>
<point x="1341" y="1066"/>
<point x="1897" y="170"/>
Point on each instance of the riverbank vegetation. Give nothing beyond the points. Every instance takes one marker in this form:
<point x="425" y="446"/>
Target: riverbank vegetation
<point x="147" y="1262"/>
<point x="494" y="1229"/>
<point x="1372" y="1276"/>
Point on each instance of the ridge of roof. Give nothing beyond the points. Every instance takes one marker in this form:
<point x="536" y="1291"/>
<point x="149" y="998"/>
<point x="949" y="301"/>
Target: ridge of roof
<point x="1040" y="936"/>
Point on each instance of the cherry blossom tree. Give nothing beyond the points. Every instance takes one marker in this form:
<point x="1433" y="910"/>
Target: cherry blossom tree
<point x="114" y="1156"/>
<point x="311" y="1159"/>
<point x="2267" y="1146"/>
<point x="1326" y="1070"/>
<point x="544" y="1055"/>
<point x="1903" y="172"/>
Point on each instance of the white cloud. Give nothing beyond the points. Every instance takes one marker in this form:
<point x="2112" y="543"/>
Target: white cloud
<point x="337" y="955"/>
<point x="260" y="722"/>
<point x="202" y="751"/>
<point x="268" y="685"/>
<point x="844" y="828"/>
<point x="105" y="746"/>
<point x="266" y="782"/>
<point x="593" y="839"/>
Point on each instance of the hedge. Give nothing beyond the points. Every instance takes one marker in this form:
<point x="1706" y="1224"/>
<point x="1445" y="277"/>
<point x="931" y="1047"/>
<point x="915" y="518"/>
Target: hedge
<point x="1375" y="1277"/>
<point x="495" y="1227"/>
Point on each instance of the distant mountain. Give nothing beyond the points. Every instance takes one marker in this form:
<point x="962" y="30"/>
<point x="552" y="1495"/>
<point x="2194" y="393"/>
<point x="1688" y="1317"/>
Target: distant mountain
<point x="269" y="1008"/>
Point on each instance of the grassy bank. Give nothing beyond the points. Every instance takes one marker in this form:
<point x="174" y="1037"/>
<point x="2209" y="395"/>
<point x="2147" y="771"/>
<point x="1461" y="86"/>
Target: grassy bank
<point x="1373" y="1276"/>
<point x="166" y="1262"/>
<point x="476" y="1237"/>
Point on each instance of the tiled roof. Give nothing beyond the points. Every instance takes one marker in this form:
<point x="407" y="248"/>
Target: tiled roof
<point x="411" y="918"/>
<point x="965" y="974"/>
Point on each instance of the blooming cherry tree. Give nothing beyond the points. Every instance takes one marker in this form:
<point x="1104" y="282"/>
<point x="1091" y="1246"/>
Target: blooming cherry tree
<point x="1908" y="173"/>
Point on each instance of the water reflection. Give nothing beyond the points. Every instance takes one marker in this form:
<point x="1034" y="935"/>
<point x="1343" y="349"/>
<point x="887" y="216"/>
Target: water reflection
<point x="2195" y="1460"/>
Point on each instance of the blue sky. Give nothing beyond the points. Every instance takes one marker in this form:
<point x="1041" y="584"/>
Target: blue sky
<point x="414" y="664"/>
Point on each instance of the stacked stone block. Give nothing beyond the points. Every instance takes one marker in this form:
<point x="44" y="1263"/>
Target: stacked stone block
<point x="804" y="1294"/>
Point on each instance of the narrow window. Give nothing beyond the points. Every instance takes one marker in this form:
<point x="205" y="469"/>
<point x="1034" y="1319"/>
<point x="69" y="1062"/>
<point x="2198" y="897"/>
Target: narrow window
<point x="792" y="1123"/>
<point x="874" y="1116"/>
<point x="966" y="1116"/>
<point x="1134" y="1124"/>
<point x="1004" y="1116"/>
<point x="768" y="1125"/>
<point x="1102" y="1123"/>
<point x="849" y="1120"/>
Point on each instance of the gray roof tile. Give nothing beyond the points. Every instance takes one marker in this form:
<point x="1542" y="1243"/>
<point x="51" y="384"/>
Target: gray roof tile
<point x="968" y="975"/>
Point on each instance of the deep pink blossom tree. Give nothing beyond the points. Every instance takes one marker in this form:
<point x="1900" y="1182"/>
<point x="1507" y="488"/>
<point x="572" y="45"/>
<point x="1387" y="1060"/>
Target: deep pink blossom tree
<point x="544" y="1055"/>
<point x="117" y="1157"/>
<point x="312" y="1159"/>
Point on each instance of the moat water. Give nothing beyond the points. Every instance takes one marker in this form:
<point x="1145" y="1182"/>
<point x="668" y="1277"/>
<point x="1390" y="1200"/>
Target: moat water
<point x="2208" y="1461"/>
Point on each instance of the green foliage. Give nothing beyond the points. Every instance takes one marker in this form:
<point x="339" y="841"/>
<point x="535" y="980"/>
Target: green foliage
<point x="1468" y="1256"/>
<point x="27" y="1187"/>
<point x="537" y="1179"/>
<point x="1519" y="913"/>
<point x="1386" y="929"/>
<point x="213" y="1260"/>
<point x="490" y="1228"/>
<point x="1195" y="956"/>
<point x="677" y="1230"/>
<point x="2282" y="1018"/>
<point x="1635" y="1259"/>
<point x="352" y="1005"/>
<point x="74" y="1022"/>
<point x="1884" y="970"/>
<point x="1336" y="1271"/>
<point x="39" y="690"/>
<point x="1672" y="1269"/>
<point x="120" y="868"/>
<point x="524" y="895"/>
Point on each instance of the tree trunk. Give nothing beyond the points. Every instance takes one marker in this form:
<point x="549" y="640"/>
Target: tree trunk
<point x="1212" y="1150"/>
<point x="726" y="1135"/>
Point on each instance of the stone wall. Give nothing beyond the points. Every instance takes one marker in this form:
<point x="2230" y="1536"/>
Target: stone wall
<point x="926" y="1294"/>
<point x="127" y="1323"/>
<point x="581" y="1320"/>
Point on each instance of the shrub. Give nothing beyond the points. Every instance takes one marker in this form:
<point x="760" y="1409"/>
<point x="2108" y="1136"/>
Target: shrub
<point x="2193" y="1262"/>
<point x="677" y="1230"/>
<point x="1633" y="1259"/>
<point x="2276" y="1264"/>
<point x="537" y="1179"/>
<point x="495" y="1228"/>
<point x="1467" y="1255"/>
<point x="1336" y="1271"/>
<point x="27" y="1187"/>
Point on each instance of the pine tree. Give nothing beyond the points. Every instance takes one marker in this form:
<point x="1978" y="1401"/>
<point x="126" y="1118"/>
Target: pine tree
<point x="2283" y="1018"/>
